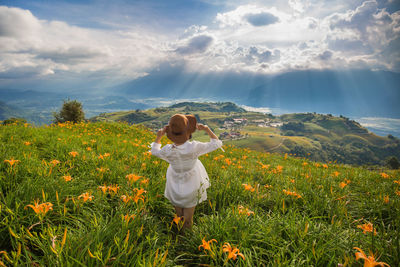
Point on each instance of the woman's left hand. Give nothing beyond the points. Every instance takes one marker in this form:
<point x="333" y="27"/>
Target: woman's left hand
<point x="161" y="132"/>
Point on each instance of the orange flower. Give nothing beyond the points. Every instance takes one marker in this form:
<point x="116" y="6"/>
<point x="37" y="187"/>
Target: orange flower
<point x="248" y="187"/>
<point x="206" y="244"/>
<point x="11" y="161"/>
<point x="398" y="193"/>
<point x="344" y="183"/>
<point x="279" y="168"/>
<point x="144" y="181"/>
<point x="305" y="163"/>
<point x="396" y="182"/>
<point x="132" y="177"/>
<point x="40" y="209"/>
<point x="67" y="178"/>
<point x="125" y="198"/>
<point x="102" y="170"/>
<point x="369" y="261"/>
<point x="139" y="195"/>
<point x="243" y="210"/>
<point x="73" y="154"/>
<point x="86" y="196"/>
<point x="291" y="193"/>
<point x="336" y="173"/>
<point x="103" y="188"/>
<point x="54" y="162"/>
<point x="386" y="199"/>
<point x="233" y="252"/>
<point x="127" y="218"/>
<point x="88" y="148"/>
<point x="113" y="188"/>
<point x="325" y="166"/>
<point x="367" y="227"/>
<point x="27" y="143"/>
<point x="384" y="175"/>
<point x="176" y="219"/>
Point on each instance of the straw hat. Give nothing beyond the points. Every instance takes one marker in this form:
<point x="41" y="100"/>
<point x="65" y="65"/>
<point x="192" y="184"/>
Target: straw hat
<point x="181" y="127"/>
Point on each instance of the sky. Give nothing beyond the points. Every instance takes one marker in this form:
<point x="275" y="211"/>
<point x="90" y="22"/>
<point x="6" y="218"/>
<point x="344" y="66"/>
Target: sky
<point x="109" y="42"/>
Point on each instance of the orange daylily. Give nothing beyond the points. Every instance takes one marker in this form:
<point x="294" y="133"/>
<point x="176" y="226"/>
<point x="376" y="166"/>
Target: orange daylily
<point x="103" y="188"/>
<point x="369" y="261"/>
<point x="248" y="187"/>
<point x="126" y="218"/>
<point x="54" y="162"/>
<point x="386" y="199"/>
<point x="40" y="209"/>
<point x="243" y="210"/>
<point x="384" y="175"/>
<point x="132" y="177"/>
<point x="27" y="143"/>
<point x="67" y="178"/>
<point x="367" y="227"/>
<point x="291" y="193"/>
<point x="344" y="183"/>
<point x="11" y="161"/>
<point x="206" y="244"/>
<point x="233" y="252"/>
<point x="176" y="219"/>
<point x="73" y="154"/>
<point x="86" y="196"/>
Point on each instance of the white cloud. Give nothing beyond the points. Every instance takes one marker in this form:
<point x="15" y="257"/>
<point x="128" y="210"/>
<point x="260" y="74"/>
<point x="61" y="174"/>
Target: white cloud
<point x="363" y="37"/>
<point x="29" y="47"/>
<point x="268" y="37"/>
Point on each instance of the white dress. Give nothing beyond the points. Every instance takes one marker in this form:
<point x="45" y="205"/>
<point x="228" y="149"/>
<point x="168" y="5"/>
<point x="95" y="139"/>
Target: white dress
<point x="187" y="179"/>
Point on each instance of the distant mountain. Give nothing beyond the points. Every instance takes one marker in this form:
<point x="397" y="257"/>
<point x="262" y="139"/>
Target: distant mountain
<point x="7" y="111"/>
<point x="315" y="136"/>
<point x="351" y="93"/>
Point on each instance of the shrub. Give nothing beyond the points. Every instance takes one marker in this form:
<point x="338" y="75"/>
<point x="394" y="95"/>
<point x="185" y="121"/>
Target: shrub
<point x="14" y="120"/>
<point x="393" y="163"/>
<point x="71" y="111"/>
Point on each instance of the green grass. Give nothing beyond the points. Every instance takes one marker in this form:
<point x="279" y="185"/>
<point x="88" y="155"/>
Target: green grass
<point x="320" y="228"/>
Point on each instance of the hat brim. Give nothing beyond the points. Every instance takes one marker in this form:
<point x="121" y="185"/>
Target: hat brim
<point x="184" y="136"/>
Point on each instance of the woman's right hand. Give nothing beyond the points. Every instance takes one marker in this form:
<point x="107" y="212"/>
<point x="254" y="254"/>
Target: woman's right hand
<point x="161" y="132"/>
<point x="201" y="127"/>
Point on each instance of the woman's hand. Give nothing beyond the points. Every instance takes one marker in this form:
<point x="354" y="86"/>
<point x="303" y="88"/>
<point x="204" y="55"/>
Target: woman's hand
<point x="161" y="132"/>
<point x="201" y="127"/>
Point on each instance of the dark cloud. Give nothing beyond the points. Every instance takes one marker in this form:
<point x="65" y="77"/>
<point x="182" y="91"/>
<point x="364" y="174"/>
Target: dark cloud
<point x="261" y="19"/>
<point x="346" y="45"/>
<point x="262" y="57"/>
<point x="72" y="55"/>
<point x="198" y="44"/>
<point x="326" y="55"/>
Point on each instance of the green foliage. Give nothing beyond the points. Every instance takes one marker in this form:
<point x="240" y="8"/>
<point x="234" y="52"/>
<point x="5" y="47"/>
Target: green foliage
<point x="71" y="111"/>
<point x="393" y="163"/>
<point x="14" y="121"/>
<point x="315" y="222"/>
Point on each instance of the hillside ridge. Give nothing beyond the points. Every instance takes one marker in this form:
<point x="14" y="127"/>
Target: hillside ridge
<point x="310" y="135"/>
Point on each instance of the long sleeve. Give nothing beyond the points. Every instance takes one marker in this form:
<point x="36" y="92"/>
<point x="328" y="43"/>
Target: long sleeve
<point x="204" y="148"/>
<point x="157" y="151"/>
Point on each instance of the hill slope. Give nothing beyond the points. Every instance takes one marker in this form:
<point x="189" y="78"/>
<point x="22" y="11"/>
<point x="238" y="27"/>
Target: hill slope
<point x="91" y="194"/>
<point x="314" y="136"/>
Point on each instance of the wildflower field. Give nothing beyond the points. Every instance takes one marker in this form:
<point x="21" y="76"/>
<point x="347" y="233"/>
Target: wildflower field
<point x="91" y="194"/>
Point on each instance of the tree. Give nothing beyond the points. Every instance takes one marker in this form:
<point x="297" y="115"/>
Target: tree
<point x="71" y="111"/>
<point x="393" y="163"/>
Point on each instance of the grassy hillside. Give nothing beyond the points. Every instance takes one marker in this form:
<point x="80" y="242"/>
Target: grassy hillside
<point x="92" y="195"/>
<point x="314" y="136"/>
